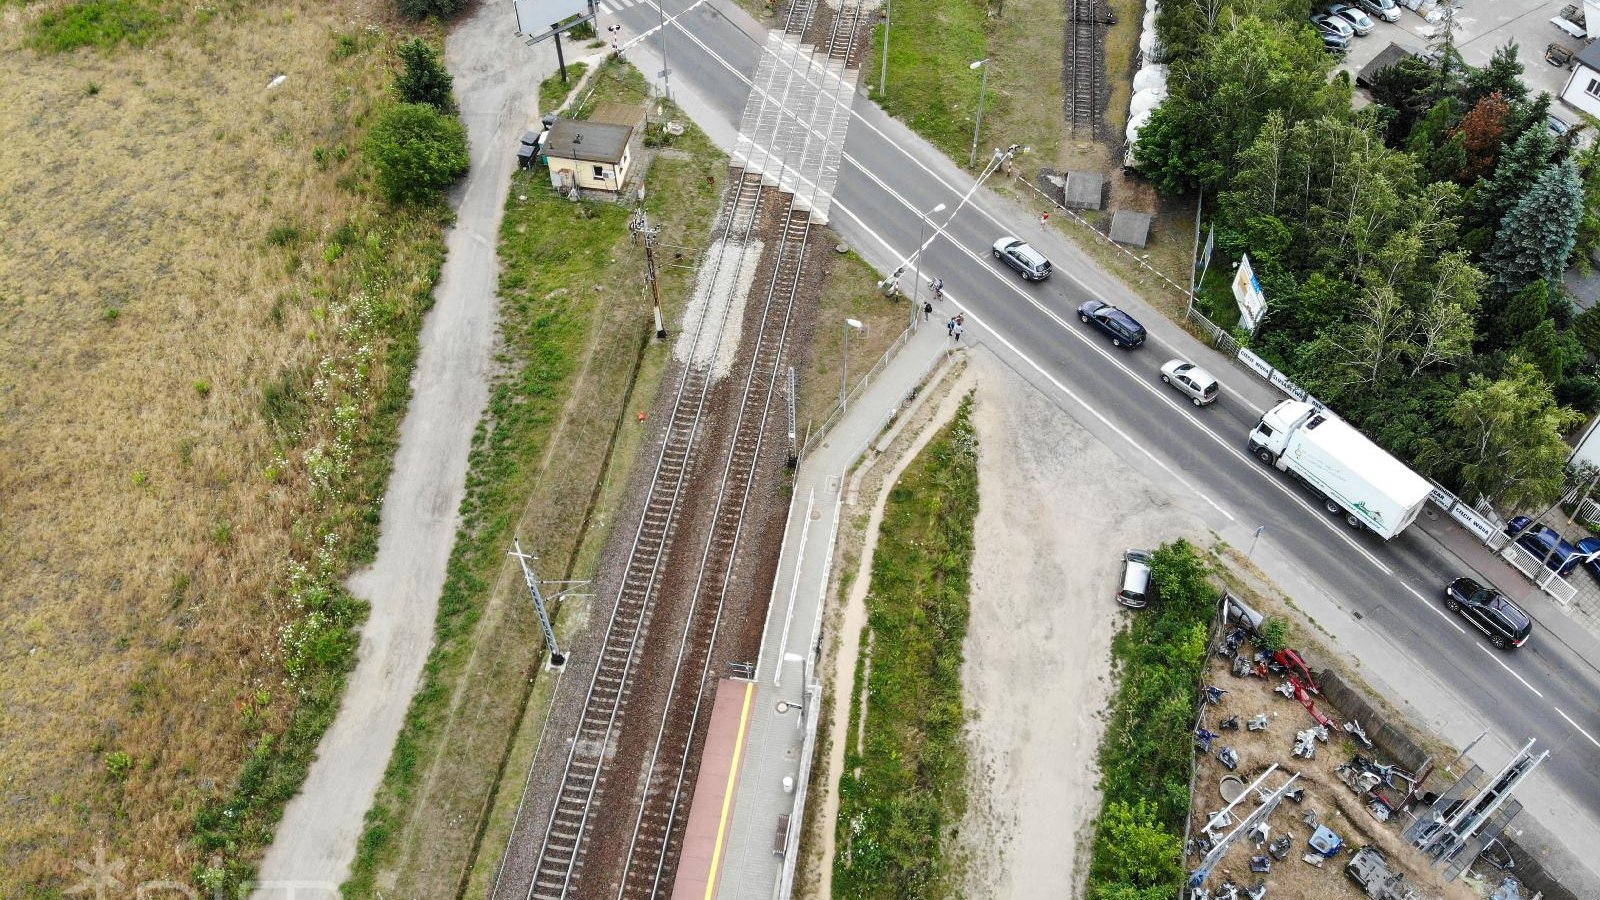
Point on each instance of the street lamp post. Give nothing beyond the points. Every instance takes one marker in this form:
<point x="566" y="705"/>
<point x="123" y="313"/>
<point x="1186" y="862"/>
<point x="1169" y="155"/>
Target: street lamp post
<point x="983" y="91"/>
<point x="844" y="368"/>
<point x="916" y="264"/>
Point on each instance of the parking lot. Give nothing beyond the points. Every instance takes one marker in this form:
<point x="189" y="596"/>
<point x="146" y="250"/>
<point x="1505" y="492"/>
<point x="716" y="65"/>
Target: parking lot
<point x="1481" y="27"/>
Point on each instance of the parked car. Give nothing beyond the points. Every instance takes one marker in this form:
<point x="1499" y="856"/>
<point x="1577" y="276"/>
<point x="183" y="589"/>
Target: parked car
<point x="1557" y="125"/>
<point x="1590" y="548"/>
<point x="1197" y="384"/>
<point x="1135" y="590"/>
<point x="1123" y="329"/>
<point x="1328" y="23"/>
<point x="1357" y="19"/>
<point x="1539" y="539"/>
<point x="1337" y="44"/>
<point x="1492" y="612"/>
<point x="1016" y="253"/>
<point x="1387" y="10"/>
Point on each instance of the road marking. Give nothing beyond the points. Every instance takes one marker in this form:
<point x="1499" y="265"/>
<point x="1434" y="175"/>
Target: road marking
<point x="1439" y="612"/>
<point x="1576" y="725"/>
<point x="1295" y="497"/>
<point x="728" y="791"/>
<point x="1490" y="653"/>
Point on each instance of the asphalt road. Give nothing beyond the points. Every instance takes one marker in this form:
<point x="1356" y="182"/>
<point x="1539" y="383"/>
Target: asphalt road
<point x="1546" y="690"/>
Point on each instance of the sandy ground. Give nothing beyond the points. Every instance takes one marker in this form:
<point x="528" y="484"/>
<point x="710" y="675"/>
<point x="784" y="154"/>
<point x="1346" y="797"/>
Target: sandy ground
<point x="1038" y="653"/>
<point x="316" y="841"/>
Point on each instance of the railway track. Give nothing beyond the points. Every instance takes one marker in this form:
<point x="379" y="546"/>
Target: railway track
<point x="1085" y="66"/>
<point x="799" y="16"/>
<point x="559" y="863"/>
<point x="659" y="826"/>
<point x="842" y="38"/>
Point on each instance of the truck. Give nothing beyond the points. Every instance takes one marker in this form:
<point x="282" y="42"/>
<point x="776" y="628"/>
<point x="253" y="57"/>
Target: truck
<point x="1350" y="474"/>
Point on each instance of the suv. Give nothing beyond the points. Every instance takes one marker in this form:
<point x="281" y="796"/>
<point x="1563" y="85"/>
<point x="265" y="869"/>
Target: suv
<point x="1124" y="330"/>
<point x="1135" y="592"/>
<point x="1016" y="253"/>
<point x="1504" y="622"/>
<point x="1539" y="539"/>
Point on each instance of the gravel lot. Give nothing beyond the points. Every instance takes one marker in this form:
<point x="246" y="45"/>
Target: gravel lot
<point x="1057" y="508"/>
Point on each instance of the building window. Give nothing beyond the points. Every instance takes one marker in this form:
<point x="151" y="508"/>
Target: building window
<point x="1593" y="89"/>
<point x="599" y="171"/>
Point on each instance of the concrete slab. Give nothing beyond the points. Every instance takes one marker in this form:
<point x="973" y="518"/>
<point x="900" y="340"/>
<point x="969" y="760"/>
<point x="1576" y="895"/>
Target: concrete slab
<point x="1130" y="228"/>
<point x="1084" y="190"/>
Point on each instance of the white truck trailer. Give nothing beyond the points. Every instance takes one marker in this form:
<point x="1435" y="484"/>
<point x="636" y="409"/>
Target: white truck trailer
<point x="1351" y="475"/>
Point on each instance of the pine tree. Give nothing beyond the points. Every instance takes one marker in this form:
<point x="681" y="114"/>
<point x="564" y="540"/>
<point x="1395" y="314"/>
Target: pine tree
<point x="1503" y="75"/>
<point x="1514" y="176"/>
<point x="425" y="79"/>
<point x="1536" y="238"/>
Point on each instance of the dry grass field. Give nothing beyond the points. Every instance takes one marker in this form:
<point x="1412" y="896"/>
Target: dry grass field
<point x="207" y="322"/>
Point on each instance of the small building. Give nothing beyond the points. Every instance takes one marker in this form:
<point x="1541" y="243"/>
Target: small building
<point x="588" y="154"/>
<point x="1386" y="57"/>
<point x="1582" y="91"/>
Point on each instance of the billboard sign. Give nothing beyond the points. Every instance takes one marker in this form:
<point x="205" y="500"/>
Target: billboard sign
<point x="1247" y="291"/>
<point x="538" y="19"/>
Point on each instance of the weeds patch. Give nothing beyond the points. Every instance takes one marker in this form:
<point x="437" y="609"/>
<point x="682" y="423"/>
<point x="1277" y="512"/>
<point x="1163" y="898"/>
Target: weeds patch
<point x="901" y="799"/>
<point x="553" y="91"/>
<point x="102" y="24"/>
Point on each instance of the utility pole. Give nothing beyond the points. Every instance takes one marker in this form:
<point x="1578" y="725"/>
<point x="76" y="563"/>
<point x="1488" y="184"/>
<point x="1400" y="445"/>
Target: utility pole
<point x="640" y="225"/>
<point x="540" y="606"/>
<point x="883" y="74"/>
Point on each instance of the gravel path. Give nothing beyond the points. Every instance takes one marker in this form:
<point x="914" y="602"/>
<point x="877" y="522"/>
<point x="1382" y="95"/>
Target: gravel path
<point x="495" y="79"/>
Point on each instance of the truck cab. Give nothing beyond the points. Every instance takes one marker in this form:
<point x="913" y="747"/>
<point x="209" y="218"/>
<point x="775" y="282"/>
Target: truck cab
<point x="1270" y="437"/>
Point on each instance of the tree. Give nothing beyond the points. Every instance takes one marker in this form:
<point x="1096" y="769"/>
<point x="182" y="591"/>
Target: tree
<point x="1537" y="236"/>
<point x="1508" y="444"/>
<point x="1133" y="851"/>
<point x="1518" y="314"/>
<point x="1405" y="88"/>
<point x="1514" y="175"/>
<point x="417" y="151"/>
<point x="1589" y="226"/>
<point x="1444" y="322"/>
<point x="424" y="79"/>
<point x="1503" y="76"/>
<point x="437" y="9"/>
<point x="1481" y="131"/>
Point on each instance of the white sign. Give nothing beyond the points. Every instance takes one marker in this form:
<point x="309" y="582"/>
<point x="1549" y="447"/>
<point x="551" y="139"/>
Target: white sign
<point x="538" y="18"/>
<point x="1257" y="364"/>
<point x="1247" y="291"/>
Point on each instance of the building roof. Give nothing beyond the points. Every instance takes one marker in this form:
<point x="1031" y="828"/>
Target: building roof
<point x="588" y="141"/>
<point x="1590" y="56"/>
<point x="1386" y="57"/>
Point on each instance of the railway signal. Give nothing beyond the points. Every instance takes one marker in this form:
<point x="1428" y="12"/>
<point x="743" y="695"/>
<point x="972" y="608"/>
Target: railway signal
<point x="540" y="605"/>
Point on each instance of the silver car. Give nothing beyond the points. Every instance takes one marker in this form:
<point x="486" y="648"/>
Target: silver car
<point x="1197" y="384"/>
<point x="1332" y="24"/>
<point x="1387" y="10"/>
<point x="1358" y="20"/>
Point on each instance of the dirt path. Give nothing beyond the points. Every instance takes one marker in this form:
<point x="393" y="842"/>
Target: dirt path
<point x="1049" y="539"/>
<point x="495" y="80"/>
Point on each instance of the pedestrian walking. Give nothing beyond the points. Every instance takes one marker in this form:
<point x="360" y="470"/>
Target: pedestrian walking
<point x="927" y="311"/>
<point x="961" y="319"/>
<point x="950" y="327"/>
<point x="956" y="333"/>
<point x="938" y="289"/>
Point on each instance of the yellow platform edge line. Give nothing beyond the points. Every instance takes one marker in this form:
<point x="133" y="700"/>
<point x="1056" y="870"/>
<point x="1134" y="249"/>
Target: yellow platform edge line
<point x="727" y="794"/>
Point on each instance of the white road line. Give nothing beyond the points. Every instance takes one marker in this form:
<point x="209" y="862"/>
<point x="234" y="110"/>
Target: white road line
<point x="1490" y="653"/>
<point x="1439" y="612"/>
<point x="1576" y="725"/>
<point x="1094" y="345"/>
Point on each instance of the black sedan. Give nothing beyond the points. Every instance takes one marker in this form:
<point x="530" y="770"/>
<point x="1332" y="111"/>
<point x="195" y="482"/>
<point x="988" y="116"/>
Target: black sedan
<point x="1506" y="624"/>
<point x="1123" y="329"/>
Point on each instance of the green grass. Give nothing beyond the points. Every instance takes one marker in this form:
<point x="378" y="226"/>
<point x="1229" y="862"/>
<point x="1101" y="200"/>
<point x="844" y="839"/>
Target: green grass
<point x="930" y="87"/>
<point x="1146" y="756"/>
<point x="553" y="91"/>
<point x="898" y="816"/>
<point x="102" y="24"/>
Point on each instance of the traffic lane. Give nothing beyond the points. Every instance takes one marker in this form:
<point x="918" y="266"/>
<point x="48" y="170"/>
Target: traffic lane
<point x="688" y="66"/>
<point x="1140" y="420"/>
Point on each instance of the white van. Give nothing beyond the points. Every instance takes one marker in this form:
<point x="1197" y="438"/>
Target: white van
<point x="1135" y="592"/>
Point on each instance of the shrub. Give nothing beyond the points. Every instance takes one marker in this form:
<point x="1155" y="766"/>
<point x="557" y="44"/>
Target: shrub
<point x="438" y="9"/>
<point x="96" y="23"/>
<point x="416" y="151"/>
<point x="424" y="79"/>
<point x="1274" y="635"/>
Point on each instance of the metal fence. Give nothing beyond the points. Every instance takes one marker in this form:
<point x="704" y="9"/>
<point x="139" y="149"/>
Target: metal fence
<point x="1560" y="590"/>
<point x="832" y="418"/>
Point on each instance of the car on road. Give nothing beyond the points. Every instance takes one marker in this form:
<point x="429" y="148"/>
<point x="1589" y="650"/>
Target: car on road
<point x="1197" y="384"/>
<point x="1387" y="10"/>
<point x="1545" y="543"/>
<point x="1017" y="254"/>
<point x="1355" y="17"/>
<point x="1123" y="329"/>
<point x="1331" y="24"/>
<point x="1135" y="591"/>
<point x="1506" y="624"/>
